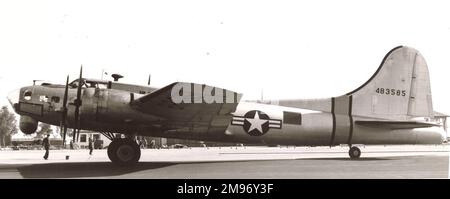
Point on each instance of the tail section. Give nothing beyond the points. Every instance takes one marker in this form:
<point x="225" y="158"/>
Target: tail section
<point x="399" y="89"/>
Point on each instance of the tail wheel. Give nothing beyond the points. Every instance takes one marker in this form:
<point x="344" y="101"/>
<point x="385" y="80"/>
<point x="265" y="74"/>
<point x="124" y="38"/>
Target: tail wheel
<point x="354" y="152"/>
<point x="124" y="152"/>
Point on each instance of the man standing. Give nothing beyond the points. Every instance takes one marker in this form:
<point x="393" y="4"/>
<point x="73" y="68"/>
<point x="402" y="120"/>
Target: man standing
<point x="46" y="144"/>
<point x="144" y="143"/>
<point x="91" y="146"/>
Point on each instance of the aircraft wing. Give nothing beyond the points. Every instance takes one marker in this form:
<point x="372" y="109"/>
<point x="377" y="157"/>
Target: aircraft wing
<point x="197" y="112"/>
<point x="395" y="124"/>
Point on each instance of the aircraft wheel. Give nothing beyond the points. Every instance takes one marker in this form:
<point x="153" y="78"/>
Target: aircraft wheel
<point x="354" y="152"/>
<point x="125" y="152"/>
<point x="112" y="148"/>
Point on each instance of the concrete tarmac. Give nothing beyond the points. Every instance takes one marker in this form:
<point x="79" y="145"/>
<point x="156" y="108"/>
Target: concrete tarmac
<point x="392" y="162"/>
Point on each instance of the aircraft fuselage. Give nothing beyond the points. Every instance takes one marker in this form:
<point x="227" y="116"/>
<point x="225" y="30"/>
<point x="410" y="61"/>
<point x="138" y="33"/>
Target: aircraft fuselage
<point x="109" y="110"/>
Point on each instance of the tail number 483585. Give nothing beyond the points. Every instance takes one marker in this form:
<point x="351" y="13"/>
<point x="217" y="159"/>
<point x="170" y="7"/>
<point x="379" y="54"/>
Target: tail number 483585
<point x="391" y="91"/>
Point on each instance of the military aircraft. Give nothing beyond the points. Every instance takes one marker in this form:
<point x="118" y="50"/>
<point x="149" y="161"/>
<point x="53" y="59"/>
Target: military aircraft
<point x="393" y="107"/>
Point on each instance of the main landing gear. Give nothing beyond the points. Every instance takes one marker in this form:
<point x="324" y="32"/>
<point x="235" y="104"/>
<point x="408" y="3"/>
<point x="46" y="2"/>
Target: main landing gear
<point x="354" y="152"/>
<point x="124" y="151"/>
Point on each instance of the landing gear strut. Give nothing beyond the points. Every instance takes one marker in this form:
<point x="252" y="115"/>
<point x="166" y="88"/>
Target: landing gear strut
<point x="124" y="151"/>
<point x="354" y="152"/>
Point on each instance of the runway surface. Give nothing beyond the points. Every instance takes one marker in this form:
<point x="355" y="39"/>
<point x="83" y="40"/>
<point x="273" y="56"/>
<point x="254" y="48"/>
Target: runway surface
<point x="236" y="162"/>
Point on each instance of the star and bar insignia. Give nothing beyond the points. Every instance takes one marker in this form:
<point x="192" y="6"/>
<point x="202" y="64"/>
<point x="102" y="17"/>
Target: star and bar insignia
<point x="256" y="123"/>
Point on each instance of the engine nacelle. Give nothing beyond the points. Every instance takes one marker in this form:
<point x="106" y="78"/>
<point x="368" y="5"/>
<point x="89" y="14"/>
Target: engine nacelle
<point x="27" y="124"/>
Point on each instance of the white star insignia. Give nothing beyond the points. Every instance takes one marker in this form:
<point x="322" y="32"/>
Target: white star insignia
<point x="256" y="123"/>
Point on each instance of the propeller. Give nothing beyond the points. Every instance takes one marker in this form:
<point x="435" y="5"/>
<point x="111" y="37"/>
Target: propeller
<point x="63" y="124"/>
<point x="77" y="104"/>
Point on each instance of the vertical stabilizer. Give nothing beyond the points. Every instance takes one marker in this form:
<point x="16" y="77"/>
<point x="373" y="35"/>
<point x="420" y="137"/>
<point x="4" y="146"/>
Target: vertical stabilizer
<point x="399" y="89"/>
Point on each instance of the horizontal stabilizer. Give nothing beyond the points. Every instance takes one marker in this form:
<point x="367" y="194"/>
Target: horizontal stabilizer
<point x="396" y="124"/>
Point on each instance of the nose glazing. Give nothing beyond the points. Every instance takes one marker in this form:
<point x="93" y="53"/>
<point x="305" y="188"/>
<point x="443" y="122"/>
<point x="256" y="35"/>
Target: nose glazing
<point x="13" y="97"/>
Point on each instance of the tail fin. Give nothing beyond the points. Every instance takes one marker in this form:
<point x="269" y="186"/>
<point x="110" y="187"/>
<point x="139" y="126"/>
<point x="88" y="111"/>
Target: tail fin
<point x="399" y="89"/>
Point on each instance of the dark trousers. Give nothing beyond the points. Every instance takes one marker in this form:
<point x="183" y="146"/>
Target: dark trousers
<point x="90" y="151"/>
<point x="46" y="154"/>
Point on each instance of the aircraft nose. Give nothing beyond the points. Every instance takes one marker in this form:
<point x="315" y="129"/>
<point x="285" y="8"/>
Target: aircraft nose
<point x="13" y="97"/>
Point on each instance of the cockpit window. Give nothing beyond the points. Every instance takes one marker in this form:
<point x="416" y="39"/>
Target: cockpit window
<point x="89" y="83"/>
<point x="27" y="95"/>
<point x="96" y="84"/>
<point x="75" y="84"/>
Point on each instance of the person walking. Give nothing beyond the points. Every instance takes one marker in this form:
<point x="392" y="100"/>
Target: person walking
<point x="46" y="144"/>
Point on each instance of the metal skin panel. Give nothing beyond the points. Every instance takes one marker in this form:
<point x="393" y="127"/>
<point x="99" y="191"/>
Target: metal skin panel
<point x="366" y="135"/>
<point x="111" y="108"/>
<point x="33" y="109"/>
<point x="342" y="133"/>
<point x="315" y="129"/>
<point x="132" y="88"/>
<point x="341" y="110"/>
<point x="312" y="104"/>
<point x="49" y="113"/>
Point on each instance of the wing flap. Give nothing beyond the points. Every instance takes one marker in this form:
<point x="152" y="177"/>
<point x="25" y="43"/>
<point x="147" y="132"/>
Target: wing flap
<point x="395" y="124"/>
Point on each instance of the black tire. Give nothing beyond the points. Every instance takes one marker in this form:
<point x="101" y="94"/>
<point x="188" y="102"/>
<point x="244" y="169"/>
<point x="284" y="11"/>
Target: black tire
<point x="125" y="152"/>
<point x="354" y="152"/>
<point x="112" y="148"/>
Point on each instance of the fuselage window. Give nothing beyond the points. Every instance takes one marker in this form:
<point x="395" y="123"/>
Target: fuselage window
<point x="83" y="138"/>
<point x="92" y="85"/>
<point x="102" y="86"/>
<point x="292" y="118"/>
<point x="55" y="99"/>
<point x="27" y="95"/>
<point x="43" y="98"/>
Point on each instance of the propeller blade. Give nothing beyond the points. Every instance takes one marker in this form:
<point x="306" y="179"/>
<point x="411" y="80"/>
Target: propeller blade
<point x="64" y="111"/>
<point x="65" y="133"/>
<point x="80" y="81"/>
<point x="74" y="132"/>
<point x="66" y="93"/>
<point x="78" y="103"/>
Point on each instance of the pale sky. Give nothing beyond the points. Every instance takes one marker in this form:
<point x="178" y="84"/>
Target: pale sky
<point x="291" y="49"/>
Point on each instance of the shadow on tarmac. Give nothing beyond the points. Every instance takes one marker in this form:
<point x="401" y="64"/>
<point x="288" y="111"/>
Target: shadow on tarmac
<point x="84" y="169"/>
<point x="95" y="169"/>
<point x="349" y="159"/>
